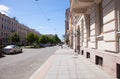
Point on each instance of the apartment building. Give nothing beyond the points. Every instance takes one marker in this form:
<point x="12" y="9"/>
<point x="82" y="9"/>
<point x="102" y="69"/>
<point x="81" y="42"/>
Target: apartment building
<point x="95" y="32"/>
<point x="8" y="26"/>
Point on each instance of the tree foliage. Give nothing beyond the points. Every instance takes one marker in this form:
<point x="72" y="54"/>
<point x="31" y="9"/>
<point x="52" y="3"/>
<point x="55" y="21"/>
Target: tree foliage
<point x="43" y="39"/>
<point x="15" y="38"/>
<point x="32" y="38"/>
<point x="49" y="39"/>
<point x="57" y="39"/>
<point x="36" y="38"/>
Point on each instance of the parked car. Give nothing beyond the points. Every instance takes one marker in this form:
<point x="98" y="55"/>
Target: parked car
<point x="12" y="49"/>
<point x="42" y="45"/>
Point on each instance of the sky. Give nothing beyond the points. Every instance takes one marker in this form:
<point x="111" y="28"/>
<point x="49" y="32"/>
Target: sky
<point x="45" y="16"/>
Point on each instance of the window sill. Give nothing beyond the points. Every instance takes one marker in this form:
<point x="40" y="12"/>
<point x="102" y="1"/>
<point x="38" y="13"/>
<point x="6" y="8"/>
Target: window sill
<point x="99" y="37"/>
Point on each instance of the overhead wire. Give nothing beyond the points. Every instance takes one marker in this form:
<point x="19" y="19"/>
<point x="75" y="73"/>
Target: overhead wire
<point x="42" y="11"/>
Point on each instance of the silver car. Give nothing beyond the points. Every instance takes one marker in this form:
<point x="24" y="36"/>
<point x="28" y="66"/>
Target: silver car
<point x="12" y="49"/>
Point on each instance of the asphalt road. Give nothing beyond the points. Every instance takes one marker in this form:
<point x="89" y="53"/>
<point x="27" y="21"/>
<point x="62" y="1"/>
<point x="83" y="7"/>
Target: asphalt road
<point x="23" y="65"/>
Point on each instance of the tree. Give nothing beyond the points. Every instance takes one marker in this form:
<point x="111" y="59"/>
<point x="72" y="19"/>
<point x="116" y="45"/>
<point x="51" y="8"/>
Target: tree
<point x="43" y="39"/>
<point x="36" y="38"/>
<point x="57" y="39"/>
<point x="15" y="38"/>
<point x="32" y="38"/>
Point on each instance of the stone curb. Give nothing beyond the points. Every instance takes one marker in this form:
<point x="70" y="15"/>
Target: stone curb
<point x="41" y="72"/>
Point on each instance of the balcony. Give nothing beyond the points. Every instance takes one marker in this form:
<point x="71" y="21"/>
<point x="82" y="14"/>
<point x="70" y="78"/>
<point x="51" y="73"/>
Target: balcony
<point x="80" y="6"/>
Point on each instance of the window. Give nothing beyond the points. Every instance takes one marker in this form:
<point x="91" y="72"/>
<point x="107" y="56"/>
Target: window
<point x="98" y="60"/>
<point x="82" y="52"/>
<point x="82" y="30"/>
<point x="2" y="26"/>
<point x="88" y="24"/>
<point x="1" y="33"/>
<point x="100" y="17"/>
<point x="87" y="55"/>
<point x="2" y="18"/>
<point x="118" y="14"/>
<point x="5" y="20"/>
<point x="118" y="70"/>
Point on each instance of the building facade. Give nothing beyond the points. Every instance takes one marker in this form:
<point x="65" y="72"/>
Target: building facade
<point x="9" y="26"/>
<point x="67" y="23"/>
<point x="95" y="32"/>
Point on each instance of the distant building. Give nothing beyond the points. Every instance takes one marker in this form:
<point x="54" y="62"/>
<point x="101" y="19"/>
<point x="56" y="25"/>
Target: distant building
<point x="67" y="22"/>
<point x="94" y="32"/>
<point x="8" y="26"/>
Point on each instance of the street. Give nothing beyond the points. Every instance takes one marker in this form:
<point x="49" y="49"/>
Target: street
<point x="23" y="65"/>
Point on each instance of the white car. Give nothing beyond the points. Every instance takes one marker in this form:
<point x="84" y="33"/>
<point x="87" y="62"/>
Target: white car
<point x="12" y="49"/>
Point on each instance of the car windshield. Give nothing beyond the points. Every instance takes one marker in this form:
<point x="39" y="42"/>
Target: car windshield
<point x="10" y="46"/>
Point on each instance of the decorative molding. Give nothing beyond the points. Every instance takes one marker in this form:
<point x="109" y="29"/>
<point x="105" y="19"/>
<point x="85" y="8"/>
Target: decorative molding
<point x="110" y="21"/>
<point x="109" y="31"/>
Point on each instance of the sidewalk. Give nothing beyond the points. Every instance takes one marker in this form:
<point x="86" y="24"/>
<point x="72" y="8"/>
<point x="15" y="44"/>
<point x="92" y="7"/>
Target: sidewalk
<point x="64" y="64"/>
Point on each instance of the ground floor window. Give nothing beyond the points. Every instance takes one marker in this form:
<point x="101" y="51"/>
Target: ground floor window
<point x="82" y="52"/>
<point x="118" y="70"/>
<point x="98" y="60"/>
<point x="88" y="55"/>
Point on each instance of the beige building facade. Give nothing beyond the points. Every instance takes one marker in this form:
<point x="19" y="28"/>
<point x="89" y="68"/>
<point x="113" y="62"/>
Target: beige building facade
<point x="95" y="32"/>
<point x="8" y="26"/>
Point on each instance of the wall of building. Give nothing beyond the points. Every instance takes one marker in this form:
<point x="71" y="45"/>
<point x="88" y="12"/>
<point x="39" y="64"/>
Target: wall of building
<point x="109" y="20"/>
<point x="101" y="46"/>
<point x="107" y="38"/>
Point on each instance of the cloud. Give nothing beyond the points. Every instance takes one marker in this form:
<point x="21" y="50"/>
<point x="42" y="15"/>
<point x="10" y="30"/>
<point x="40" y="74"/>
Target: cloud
<point x="4" y="9"/>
